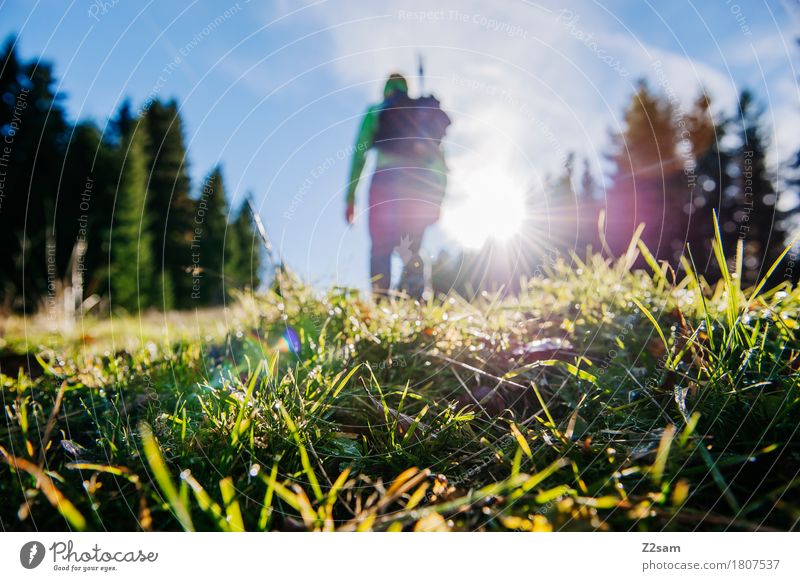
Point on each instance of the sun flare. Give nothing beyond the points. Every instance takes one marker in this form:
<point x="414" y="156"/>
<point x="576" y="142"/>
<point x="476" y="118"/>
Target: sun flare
<point x="487" y="203"/>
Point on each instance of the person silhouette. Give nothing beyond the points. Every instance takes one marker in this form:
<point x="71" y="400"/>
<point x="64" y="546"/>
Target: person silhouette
<point x="407" y="185"/>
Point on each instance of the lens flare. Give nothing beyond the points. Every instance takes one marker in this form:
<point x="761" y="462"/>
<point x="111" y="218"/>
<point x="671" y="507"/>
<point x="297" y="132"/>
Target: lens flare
<point x="488" y="203"/>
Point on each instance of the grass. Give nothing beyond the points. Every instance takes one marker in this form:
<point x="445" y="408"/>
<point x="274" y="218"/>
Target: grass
<point x="601" y="398"/>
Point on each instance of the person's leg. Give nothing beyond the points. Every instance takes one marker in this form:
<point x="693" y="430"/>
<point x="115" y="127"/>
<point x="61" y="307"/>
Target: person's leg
<point x="422" y="193"/>
<point x="412" y="280"/>
<point x="380" y="267"/>
<point x="383" y="232"/>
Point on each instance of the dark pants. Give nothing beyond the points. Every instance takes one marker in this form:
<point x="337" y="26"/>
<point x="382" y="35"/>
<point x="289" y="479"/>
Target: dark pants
<point x="403" y="202"/>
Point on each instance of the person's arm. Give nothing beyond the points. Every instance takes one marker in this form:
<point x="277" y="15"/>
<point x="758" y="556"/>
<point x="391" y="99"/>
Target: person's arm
<point x="365" y="140"/>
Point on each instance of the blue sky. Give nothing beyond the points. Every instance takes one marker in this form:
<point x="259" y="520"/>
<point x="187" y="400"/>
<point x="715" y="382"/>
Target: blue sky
<point x="275" y="90"/>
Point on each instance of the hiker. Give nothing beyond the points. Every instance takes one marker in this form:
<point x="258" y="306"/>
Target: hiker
<point x="408" y="184"/>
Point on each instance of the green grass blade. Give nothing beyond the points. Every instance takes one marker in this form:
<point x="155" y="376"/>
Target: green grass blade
<point x="152" y="452"/>
<point x="232" y="511"/>
<point x="653" y="320"/>
<point x="304" y="459"/>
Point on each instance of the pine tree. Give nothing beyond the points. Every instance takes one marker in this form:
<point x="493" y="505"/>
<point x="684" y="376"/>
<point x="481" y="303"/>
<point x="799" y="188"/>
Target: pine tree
<point x="759" y="222"/>
<point x="563" y="186"/>
<point x="86" y="196"/>
<point x="588" y="189"/>
<point x="209" y="240"/>
<point x="790" y="191"/>
<point x="104" y="170"/>
<point x="121" y="126"/>
<point x="562" y="208"/>
<point x="10" y="77"/>
<point x="791" y="265"/>
<point x="590" y="202"/>
<point x="645" y="187"/>
<point x="243" y="254"/>
<point x="45" y="133"/>
<point x="164" y="291"/>
<point x="34" y="131"/>
<point x="168" y="202"/>
<point x="712" y="182"/>
<point x="132" y="267"/>
<point x="11" y="207"/>
<point x="646" y="145"/>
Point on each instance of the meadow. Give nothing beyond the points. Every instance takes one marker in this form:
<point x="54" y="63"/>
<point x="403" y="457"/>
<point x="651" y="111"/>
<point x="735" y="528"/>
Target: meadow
<point x="602" y="397"/>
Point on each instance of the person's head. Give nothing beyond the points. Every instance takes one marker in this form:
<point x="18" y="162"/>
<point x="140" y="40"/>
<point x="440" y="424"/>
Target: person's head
<point x="396" y="83"/>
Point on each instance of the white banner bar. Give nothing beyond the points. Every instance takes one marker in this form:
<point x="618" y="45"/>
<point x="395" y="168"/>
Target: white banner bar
<point x="403" y="556"/>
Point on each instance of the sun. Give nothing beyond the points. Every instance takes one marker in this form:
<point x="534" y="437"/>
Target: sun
<point x="487" y="202"/>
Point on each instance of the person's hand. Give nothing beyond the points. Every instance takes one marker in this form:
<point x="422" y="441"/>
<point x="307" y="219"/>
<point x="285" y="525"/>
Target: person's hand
<point x="349" y="212"/>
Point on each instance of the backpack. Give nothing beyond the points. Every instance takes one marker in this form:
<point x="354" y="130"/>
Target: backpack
<point x="411" y="127"/>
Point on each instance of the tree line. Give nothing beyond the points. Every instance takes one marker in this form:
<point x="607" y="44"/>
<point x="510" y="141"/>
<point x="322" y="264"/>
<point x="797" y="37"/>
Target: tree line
<point x="671" y="170"/>
<point x="109" y="216"/>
